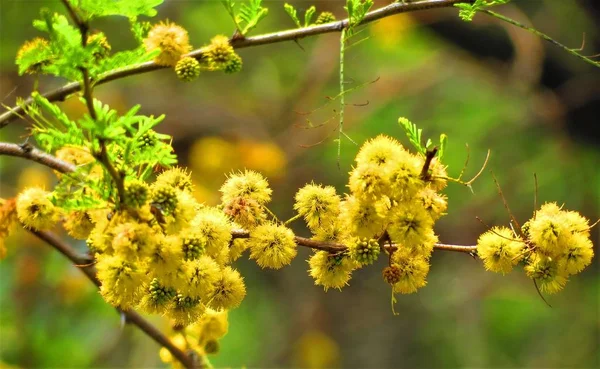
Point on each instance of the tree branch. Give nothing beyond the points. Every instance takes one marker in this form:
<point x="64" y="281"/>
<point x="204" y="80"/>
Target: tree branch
<point x="27" y="151"/>
<point x="338" y="247"/>
<point x="83" y="262"/>
<point x="269" y="38"/>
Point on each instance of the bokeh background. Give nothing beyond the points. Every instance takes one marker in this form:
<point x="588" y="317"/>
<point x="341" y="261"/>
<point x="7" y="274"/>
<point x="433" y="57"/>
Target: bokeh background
<point x="484" y="84"/>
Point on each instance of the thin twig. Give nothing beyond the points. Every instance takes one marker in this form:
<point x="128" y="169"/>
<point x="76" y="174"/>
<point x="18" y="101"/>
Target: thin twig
<point x="269" y="38"/>
<point x="542" y="35"/>
<point x="429" y="155"/>
<point x="131" y="316"/>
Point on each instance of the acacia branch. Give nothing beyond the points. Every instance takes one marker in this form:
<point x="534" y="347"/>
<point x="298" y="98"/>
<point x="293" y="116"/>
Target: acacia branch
<point x="27" y="151"/>
<point x="338" y="247"/>
<point x="84" y="263"/>
<point x="270" y="38"/>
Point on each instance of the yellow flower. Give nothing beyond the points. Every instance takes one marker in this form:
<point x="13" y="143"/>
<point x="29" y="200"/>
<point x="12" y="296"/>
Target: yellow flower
<point x="178" y="178"/>
<point x="410" y="225"/>
<point x="219" y="53"/>
<point x="500" y="249"/>
<point x="330" y="271"/>
<point x="238" y="246"/>
<point x="186" y="310"/>
<point x="133" y="240"/>
<point x="379" y="151"/>
<point x="411" y="271"/>
<point x="549" y="273"/>
<point x="172" y="41"/>
<point x="548" y="233"/>
<point x="202" y="275"/>
<point x="79" y="224"/>
<point x="246" y="212"/>
<point x="35" y="210"/>
<point x="318" y="205"/>
<point x="214" y="226"/>
<point x="212" y="325"/>
<point x="165" y="257"/>
<point x="405" y="177"/>
<point x="123" y="282"/>
<point x="578" y="254"/>
<point x="437" y="180"/>
<point x="364" y="251"/>
<point x="247" y="185"/>
<point x="361" y="218"/>
<point x="158" y="298"/>
<point x="434" y="203"/>
<point x="368" y="182"/>
<point x="272" y="245"/>
<point x="230" y="290"/>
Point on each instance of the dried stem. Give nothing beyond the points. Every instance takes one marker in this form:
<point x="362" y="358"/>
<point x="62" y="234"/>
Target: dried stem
<point x="84" y="263"/>
<point x="269" y="38"/>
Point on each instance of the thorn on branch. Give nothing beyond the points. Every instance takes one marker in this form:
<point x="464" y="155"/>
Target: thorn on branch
<point x="429" y="155"/>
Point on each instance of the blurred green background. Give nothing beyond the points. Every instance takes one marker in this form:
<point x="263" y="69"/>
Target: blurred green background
<point x="484" y="84"/>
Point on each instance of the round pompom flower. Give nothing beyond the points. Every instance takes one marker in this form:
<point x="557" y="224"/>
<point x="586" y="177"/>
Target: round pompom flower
<point x="123" y="282"/>
<point x="172" y="41"/>
<point x="331" y="271"/>
<point x="214" y="226"/>
<point x="187" y="69"/>
<point x="318" y="205"/>
<point x="234" y="65"/>
<point x="79" y="224"/>
<point x="500" y="249"/>
<point x="157" y="298"/>
<point x="380" y="152"/>
<point x="410" y="225"/>
<point x="411" y="269"/>
<point x="178" y="178"/>
<point x="164" y="197"/>
<point x="229" y="290"/>
<point x="578" y="254"/>
<point x="136" y="193"/>
<point x="35" y="210"/>
<point x="201" y="276"/>
<point x="246" y="212"/>
<point x="186" y="310"/>
<point x="220" y="52"/>
<point x="550" y="274"/>
<point x="272" y="245"/>
<point x="247" y="185"/>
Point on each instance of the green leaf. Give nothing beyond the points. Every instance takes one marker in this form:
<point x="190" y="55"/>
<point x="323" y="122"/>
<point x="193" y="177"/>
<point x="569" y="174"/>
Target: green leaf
<point x="91" y="9"/>
<point x="413" y="134"/>
<point x="292" y="13"/>
<point x="443" y="143"/>
<point x="308" y="15"/>
<point x="251" y="13"/>
<point x="467" y="11"/>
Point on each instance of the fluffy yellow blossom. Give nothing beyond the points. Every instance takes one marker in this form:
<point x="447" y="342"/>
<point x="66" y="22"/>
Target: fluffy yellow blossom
<point x="219" y="53"/>
<point x="178" y="178"/>
<point x="186" y="310"/>
<point x="318" y="205"/>
<point x="247" y="185"/>
<point x="330" y="271"/>
<point x="434" y="203"/>
<point x="166" y="256"/>
<point x="157" y="298"/>
<point x="361" y="218"/>
<point x="410" y="225"/>
<point x="411" y="271"/>
<point x="437" y="179"/>
<point x="379" y="151"/>
<point x="272" y="245"/>
<point x="230" y="290"/>
<point x="79" y="224"/>
<point x="500" y="249"/>
<point x="202" y="274"/>
<point x="368" y="182"/>
<point x="172" y="41"/>
<point x="238" y="246"/>
<point x="133" y="240"/>
<point x="215" y="227"/>
<point x="578" y="253"/>
<point x="246" y="212"/>
<point x="405" y="177"/>
<point x="550" y="274"/>
<point x="122" y="281"/>
<point x="183" y="213"/>
<point x="35" y="210"/>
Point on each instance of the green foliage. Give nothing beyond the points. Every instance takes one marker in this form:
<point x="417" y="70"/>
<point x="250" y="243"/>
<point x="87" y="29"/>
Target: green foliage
<point x="468" y="10"/>
<point x="414" y="135"/>
<point x="308" y="15"/>
<point x="127" y="8"/>
<point x="248" y="16"/>
<point x="126" y="140"/>
<point x="122" y="59"/>
<point x="357" y="9"/>
<point x="68" y="53"/>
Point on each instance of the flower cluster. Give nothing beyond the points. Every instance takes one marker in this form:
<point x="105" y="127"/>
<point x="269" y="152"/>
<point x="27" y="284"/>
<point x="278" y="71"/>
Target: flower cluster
<point x="394" y="198"/>
<point x="173" y="43"/>
<point x="552" y="245"/>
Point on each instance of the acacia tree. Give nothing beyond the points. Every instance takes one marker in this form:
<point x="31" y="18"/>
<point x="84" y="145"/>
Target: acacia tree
<point x="154" y="248"/>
